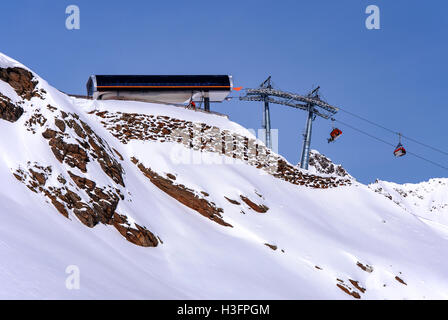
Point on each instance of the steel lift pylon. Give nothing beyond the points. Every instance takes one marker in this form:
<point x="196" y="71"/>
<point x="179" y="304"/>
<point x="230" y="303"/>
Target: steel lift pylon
<point x="266" y="114"/>
<point x="312" y="103"/>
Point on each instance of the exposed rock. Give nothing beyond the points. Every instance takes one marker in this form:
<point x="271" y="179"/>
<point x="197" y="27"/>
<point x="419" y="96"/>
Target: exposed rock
<point x="103" y="202"/>
<point x="184" y="195"/>
<point x="40" y="178"/>
<point x="118" y="154"/>
<point x="58" y="205"/>
<point x="139" y="235"/>
<point x="99" y="208"/>
<point x="21" y="80"/>
<point x="232" y="201"/>
<point x="107" y="162"/>
<point x="357" y="286"/>
<point x="324" y="165"/>
<point x="51" y="108"/>
<point x="366" y="267"/>
<point x="9" y="111"/>
<point x="72" y="154"/>
<point x="173" y="177"/>
<point x="400" y="280"/>
<point x="83" y="182"/>
<point x="60" y="124"/>
<point x="90" y="146"/>
<point x="203" y="137"/>
<point x="348" y="291"/>
<point x="36" y="119"/>
<point x="258" y="208"/>
<point x="273" y="247"/>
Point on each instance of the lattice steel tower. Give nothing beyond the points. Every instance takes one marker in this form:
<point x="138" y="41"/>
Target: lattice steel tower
<point x="312" y="103"/>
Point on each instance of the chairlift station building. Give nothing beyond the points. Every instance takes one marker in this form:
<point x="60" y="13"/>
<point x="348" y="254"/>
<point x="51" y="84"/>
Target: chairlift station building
<point x="173" y="89"/>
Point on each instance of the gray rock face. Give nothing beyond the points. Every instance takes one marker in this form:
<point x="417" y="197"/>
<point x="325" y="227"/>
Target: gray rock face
<point x="322" y="164"/>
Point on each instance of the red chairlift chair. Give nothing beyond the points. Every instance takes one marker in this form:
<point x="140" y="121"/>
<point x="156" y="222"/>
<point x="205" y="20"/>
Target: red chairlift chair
<point x="334" y="134"/>
<point x="399" y="149"/>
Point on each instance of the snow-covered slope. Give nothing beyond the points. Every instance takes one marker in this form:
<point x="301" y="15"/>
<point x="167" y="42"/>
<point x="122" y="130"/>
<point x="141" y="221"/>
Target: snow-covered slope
<point x="156" y="201"/>
<point x="428" y="200"/>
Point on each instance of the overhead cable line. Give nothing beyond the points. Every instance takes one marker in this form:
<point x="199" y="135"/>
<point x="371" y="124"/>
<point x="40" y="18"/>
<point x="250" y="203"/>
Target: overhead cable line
<point x="395" y="132"/>
<point x="390" y="144"/>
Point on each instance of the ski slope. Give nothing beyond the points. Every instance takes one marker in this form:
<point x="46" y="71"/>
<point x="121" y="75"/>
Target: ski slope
<point x="344" y="242"/>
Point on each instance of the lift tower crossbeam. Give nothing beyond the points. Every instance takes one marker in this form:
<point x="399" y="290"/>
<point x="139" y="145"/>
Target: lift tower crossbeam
<point x="312" y="103"/>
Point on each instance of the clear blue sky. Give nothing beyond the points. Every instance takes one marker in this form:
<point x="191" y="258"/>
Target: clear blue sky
<point x="396" y="76"/>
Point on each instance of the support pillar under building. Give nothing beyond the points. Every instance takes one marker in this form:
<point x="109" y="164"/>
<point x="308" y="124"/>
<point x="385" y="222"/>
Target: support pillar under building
<point x="206" y="102"/>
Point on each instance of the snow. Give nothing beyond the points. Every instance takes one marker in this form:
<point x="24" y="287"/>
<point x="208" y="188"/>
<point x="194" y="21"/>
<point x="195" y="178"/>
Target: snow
<point x="333" y="229"/>
<point x="162" y="110"/>
<point x="428" y="200"/>
<point x="8" y="62"/>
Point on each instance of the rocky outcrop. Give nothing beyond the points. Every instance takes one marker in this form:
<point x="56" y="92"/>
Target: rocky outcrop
<point x="25" y="85"/>
<point x="202" y="137"/>
<point x="138" y="235"/>
<point x="324" y="165"/>
<point x="8" y="110"/>
<point x="357" y="285"/>
<point x="75" y="144"/>
<point x="103" y="202"/>
<point x="365" y="267"/>
<point x="272" y="246"/>
<point x="35" y="121"/>
<point x="400" y="280"/>
<point x="348" y="291"/>
<point x="354" y="291"/>
<point x="256" y="207"/>
<point x="70" y="153"/>
<point x="184" y="195"/>
<point x="22" y="81"/>
<point x="289" y="173"/>
<point x="232" y="201"/>
<point x="89" y="147"/>
<point x="98" y="207"/>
